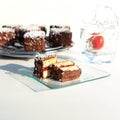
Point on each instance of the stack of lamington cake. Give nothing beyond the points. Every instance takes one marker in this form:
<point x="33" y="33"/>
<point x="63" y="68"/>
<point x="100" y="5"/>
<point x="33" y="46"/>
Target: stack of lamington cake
<point x="47" y="66"/>
<point x="36" y="37"/>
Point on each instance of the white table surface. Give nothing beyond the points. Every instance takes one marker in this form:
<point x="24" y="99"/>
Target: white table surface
<point x="95" y="100"/>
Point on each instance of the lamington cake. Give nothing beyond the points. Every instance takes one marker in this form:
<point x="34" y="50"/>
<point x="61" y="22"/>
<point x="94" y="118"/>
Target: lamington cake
<point x="20" y="30"/>
<point x="6" y="34"/>
<point x="33" y="27"/>
<point x="18" y="41"/>
<point x="34" y="41"/>
<point x="60" y="36"/>
<point x="28" y="28"/>
<point x="65" y="71"/>
<point x="42" y="65"/>
<point x="60" y="26"/>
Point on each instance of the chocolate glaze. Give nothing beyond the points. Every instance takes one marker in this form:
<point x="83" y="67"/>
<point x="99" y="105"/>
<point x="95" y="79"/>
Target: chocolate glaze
<point x="65" y="75"/>
<point x="60" y="39"/>
<point x="38" y="65"/>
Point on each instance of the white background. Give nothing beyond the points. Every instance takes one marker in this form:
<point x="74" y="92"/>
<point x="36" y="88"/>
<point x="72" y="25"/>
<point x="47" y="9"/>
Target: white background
<point x="97" y="100"/>
<point x="47" y="11"/>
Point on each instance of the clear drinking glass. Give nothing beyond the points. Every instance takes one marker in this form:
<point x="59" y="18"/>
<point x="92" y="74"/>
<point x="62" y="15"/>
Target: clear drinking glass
<point x="99" y="35"/>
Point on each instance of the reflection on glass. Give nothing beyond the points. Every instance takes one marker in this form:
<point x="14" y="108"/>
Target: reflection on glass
<point x="99" y="35"/>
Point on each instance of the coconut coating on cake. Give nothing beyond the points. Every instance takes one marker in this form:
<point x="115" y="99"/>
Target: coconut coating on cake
<point x="60" y="37"/>
<point x="34" y="41"/>
<point x="42" y="65"/>
<point x="6" y="34"/>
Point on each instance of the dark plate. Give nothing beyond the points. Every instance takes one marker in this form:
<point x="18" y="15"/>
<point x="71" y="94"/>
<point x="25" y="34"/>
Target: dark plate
<point x="21" y="53"/>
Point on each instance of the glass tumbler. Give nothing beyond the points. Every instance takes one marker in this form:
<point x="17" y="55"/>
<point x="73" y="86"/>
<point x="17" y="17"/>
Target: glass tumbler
<point x="99" y="35"/>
